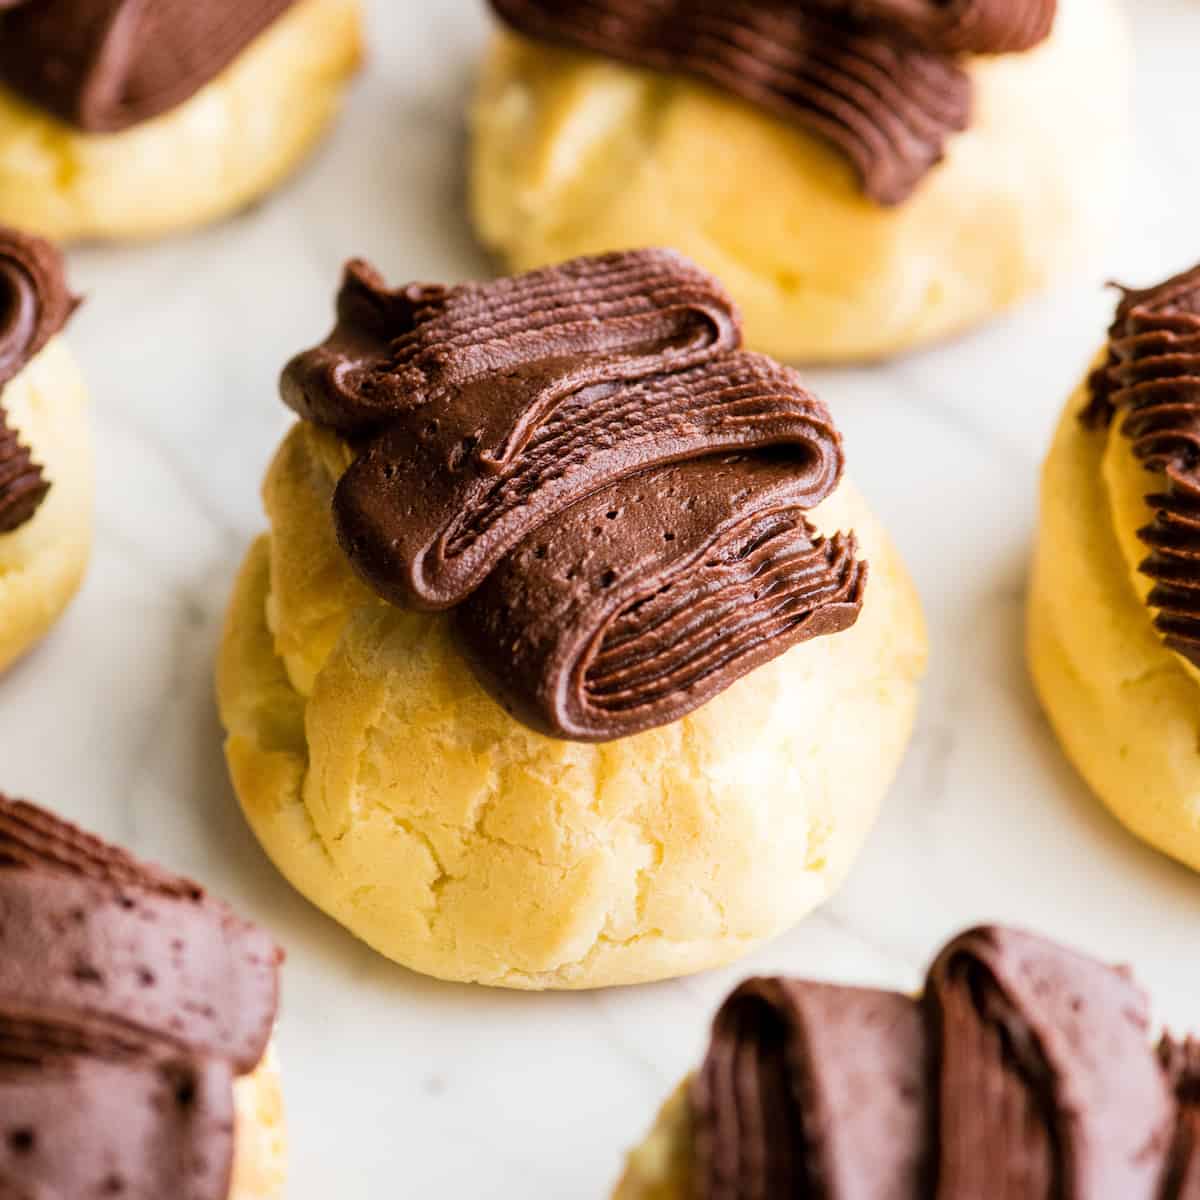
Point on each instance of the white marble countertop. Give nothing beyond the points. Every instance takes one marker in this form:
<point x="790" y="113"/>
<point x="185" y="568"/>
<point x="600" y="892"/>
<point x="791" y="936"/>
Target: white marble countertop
<point x="398" y="1085"/>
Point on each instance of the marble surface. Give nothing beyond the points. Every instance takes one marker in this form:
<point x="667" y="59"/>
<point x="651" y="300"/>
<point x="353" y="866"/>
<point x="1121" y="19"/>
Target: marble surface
<point x="402" y="1086"/>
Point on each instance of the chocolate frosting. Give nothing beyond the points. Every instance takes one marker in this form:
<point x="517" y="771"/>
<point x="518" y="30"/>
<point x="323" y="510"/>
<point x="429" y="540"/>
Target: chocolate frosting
<point x="107" y="65"/>
<point x="129" y="1001"/>
<point x="887" y="103"/>
<point x="1181" y="1061"/>
<point x="880" y="80"/>
<point x="1025" y="1072"/>
<point x="1059" y="1044"/>
<point x="584" y="463"/>
<point x="957" y="26"/>
<point x="811" y="1090"/>
<point x="35" y="304"/>
<point x="1151" y="385"/>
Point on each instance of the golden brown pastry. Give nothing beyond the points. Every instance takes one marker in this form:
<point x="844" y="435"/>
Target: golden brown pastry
<point x="131" y="120"/>
<point x="1113" y="619"/>
<point x="863" y="185"/>
<point x="561" y="664"/>
<point x="45" y="447"/>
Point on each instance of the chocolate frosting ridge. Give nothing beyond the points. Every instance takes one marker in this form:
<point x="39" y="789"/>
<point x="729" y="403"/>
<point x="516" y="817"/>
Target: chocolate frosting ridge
<point x="957" y="26"/>
<point x="888" y="103"/>
<point x="623" y="622"/>
<point x="1181" y="1061"/>
<point x="587" y="466"/>
<point x="1059" y="1045"/>
<point x="107" y="65"/>
<point x="1025" y="1072"/>
<point x="35" y="304"/>
<point x="811" y="1090"/>
<point x="129" y="1000"/>
<point x="1151" y="384"/>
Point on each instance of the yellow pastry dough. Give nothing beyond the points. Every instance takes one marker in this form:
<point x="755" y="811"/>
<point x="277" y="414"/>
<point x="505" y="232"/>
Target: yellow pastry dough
<point x="225" y="147"/>
<point x="401" y="799"/>
<point x="573" y="154"/>
<point x="43" y="562"/>
<point x="260" y="1164"/>
<point x="1126" y="709"/>
<point x="660" y="1168"/>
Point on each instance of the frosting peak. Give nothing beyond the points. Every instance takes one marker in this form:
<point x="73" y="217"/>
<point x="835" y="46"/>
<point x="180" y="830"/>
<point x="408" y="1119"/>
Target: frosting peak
<point x="587" y="467"/>
<point x="1025" y="1072"/>
<point x="35" y="304"/>
<point x="129" y="1000"/>
<point x="107" y="65"/>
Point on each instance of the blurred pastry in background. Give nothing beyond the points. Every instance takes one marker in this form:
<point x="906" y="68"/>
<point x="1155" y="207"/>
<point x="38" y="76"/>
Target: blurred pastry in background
<point x="45" y="446"/>
<point x="865" y="176"/>
<point x="1024" y="1065"/>
<point x="136" y="1015"/>
<point x="1114" y="607"/>
<point x="561" y="665"/>
<point x="135" y="118"/>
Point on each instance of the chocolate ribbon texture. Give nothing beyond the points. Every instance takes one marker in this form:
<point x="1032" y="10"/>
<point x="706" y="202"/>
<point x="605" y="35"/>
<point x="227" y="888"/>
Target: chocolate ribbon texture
<point x="1181" y="1060"/>
<point x="587" y="467"/>
<point x="129" y="1002"/>
<point x="880" y="80"/>
<point x="1025" y="1073"/>
<point x="34" y="305"/>
<point x="107" y="65"/>
<point x="1151" y="385"/>
<point x="955" y="26"/>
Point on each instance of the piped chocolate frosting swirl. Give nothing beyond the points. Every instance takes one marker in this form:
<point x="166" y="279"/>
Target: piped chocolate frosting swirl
<point x="35" y="304"/>
<point x="1181" y="1061"/>
<point x="129" y="1002"/>
<point x="1150" y="385"/>
<point x="584" y="464"/>
<point x="957" y="26"/>
<point x="107" y="65"/>
<point x="880" y="80"/>
<point x="1025" y="1072"/>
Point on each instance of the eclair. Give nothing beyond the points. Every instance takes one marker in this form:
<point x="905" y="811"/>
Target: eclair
<point x="45" y="446"/>
<point x="1026" y="1069"/>
<point x="1114" y="604"/>
<point x="866" y="176"/>
<point x="135" y="118"/>
<point x="570" y="658"/>
<point x="136" y="1015"/>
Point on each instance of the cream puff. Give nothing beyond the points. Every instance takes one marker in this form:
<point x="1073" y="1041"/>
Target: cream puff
<point x="45" y="447"/>
<point x="866" y="176"/>
<point x="1026" y="1069"/>
<point x="136" y="1014"/>
<point x="134" y="118"/>
<point x="560" y="665"/>
<point x="1114" y="607"/>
